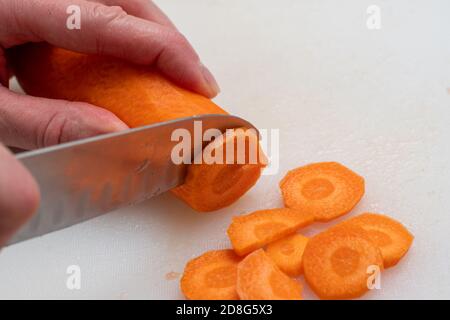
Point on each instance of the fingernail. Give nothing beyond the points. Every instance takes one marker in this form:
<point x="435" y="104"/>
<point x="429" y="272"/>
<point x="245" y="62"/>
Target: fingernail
<point x="211" y="82"/>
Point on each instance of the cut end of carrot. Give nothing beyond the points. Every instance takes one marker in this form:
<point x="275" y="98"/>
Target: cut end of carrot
<point x="338" y="263"/>
<point x="326" y="189"/>
<point x="220" y="180"/>
<point x="260" y="279"/>
<point x="393" y="239"/>
<point x="253" y="231"/>
<point x="211" y="276"/>
<point x="287" y="253"/>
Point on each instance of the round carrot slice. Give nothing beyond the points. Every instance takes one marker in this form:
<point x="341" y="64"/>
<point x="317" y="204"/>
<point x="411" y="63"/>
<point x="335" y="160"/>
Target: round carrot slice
<point x="326" y="189"/>
<point x="389" y="235"/>
<point x="337" y="263"/>
<point x="253" y="231"/>
<point x="211" y="276"/>
<point x="259" y="278"/>
<point x="287" y="253"/>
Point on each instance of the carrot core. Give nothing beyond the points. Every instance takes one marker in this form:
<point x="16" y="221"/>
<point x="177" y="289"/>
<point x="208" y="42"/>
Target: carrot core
<point x="316" y="189"/>
<point x="345" y="261"/>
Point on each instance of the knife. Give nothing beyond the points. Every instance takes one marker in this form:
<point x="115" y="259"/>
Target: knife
<point x="81" y="180"/>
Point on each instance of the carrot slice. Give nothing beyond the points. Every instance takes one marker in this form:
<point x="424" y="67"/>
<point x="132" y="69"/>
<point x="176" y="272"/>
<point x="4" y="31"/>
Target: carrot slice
<point x="253" y="231"/>
<point x="211" y="276"/>
<point x="393" y="239"/>
<point x="337" y="263"/>
<point x="138" y="95"/>
<point x="287" y="253"/>
<point x="259" y="278"/>
<point x="326" y="189"/>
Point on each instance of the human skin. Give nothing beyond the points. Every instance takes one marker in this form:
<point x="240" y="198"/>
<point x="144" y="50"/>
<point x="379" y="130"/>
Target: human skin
<point x="135" y="30"/>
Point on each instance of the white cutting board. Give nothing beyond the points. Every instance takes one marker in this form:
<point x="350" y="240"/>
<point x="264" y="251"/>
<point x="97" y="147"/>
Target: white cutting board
<point x="375" y="100"/>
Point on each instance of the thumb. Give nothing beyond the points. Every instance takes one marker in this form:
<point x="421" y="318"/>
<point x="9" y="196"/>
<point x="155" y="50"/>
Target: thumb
<point x="28" y="122"/>
<point x="19" y="195"/>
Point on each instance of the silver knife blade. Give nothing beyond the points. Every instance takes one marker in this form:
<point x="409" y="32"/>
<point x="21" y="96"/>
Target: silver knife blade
<point x="84" y="179"/>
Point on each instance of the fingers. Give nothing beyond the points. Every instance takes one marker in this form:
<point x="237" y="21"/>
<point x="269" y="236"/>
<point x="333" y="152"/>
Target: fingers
<point x="109" y="30"/>
<point x="144" y="9"/>
<point x="27" y="122"/>
<point x="19" y="195"/>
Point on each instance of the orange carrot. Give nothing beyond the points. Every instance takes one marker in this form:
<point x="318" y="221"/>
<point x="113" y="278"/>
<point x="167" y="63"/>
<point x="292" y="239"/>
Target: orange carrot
<point x="259" y="278"/>
<point x="138" y="95"/>
<point x="326" y="190"/>
<point x="287" y="253"/>
<point x="338" y="263"/>
<point x="389" y="235"/>
<point x="253" y="231"/>
<point x="211" y="276"/>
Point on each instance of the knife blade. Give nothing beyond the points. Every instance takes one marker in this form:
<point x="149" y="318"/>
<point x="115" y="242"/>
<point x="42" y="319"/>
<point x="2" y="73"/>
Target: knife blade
<point x="81" y="180"/>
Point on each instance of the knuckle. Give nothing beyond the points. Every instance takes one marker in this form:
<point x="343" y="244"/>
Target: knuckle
<point x="107" y="14"/>
<point x="52" y="131"/>
<point x="77" y="120"/>
<point x="102" y="17"/>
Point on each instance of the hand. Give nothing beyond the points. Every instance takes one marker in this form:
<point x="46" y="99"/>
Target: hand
<point x="135" y="30"/>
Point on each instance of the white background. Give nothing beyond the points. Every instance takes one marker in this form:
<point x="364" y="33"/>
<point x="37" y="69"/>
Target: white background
<point x="377" y="101"/>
